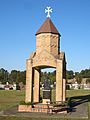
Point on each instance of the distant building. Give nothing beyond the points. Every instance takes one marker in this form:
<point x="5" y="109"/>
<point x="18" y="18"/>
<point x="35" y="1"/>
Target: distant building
<point x="7" y="86"/>
<point x="75" y="86"/>
<point x="72" y="83"/>
<point x="2" y="87"/>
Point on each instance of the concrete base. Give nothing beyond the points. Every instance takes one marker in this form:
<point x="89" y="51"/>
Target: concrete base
<point x="46" y="101"/>
<point x="41" y="108"/>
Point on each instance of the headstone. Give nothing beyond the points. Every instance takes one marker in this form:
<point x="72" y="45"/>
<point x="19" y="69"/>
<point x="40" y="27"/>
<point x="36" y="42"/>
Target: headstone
<point x="14" y="86"/>
<point x="21" y="86"/>
<point x="7" y="83"/>
<point x="46" y="91"/>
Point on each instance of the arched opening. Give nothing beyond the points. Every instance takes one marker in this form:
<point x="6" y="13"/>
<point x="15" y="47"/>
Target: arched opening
<point x="48" y="76"/>
<point x="38" y="73"/>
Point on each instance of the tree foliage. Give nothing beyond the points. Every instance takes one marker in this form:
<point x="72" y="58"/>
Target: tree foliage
<point x="82" y="74"/>
<point x="20" y="76"/>
<point x="48" y="75"/>
<point x="4" y="75"/>
<point x="78" y="79"/>
<point x="85" y="73"/>
<point x="13" y="77"/>
<point x="69" y="74"/>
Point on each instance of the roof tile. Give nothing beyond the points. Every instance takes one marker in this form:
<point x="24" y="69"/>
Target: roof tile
<point x="47" y="27"/>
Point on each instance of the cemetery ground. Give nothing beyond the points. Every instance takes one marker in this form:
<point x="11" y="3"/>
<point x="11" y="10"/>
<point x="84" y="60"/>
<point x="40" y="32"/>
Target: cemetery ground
<point x="10" y="99"/>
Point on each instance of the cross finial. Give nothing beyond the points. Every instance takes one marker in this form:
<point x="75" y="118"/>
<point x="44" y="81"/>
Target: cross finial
<point x="48" y="11"/>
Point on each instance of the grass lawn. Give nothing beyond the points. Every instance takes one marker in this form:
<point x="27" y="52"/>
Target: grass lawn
<point x="27" y="118"/>
<point x="9" y="99"/>
<point x="73" y="93"/>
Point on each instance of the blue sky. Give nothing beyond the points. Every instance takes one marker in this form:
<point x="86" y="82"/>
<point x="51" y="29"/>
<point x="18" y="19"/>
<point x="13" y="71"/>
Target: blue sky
<point x="20" y="19"/>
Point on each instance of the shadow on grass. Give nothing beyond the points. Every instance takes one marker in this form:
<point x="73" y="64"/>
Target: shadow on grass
<point x="77" y="100"/>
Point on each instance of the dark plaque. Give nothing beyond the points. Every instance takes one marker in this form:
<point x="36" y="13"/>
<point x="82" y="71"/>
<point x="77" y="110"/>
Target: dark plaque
<point x="46" y="94"/>
<point x="47" y="89"/>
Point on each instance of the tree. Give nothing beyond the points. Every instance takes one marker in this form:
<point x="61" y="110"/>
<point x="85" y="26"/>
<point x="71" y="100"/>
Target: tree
<point x="78" y="79"/>
<point x="13" y="76"/>
<point x="85" y="73"/>
<point x="21" y="77"/>
<point x="52" y="76"/>
<point x="69" y="74"/>
<point x="4" y="75"/>
<point x="49" y="75"/>
<point x="17" y="76"/>
<point x="43" y="76"/>
<point x="88" y="80"/>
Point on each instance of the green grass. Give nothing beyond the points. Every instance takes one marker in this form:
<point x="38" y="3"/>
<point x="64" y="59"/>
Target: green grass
<point x="9" y="99"/>
<point x="73" y="93"/>
<point x="28" y="118"/>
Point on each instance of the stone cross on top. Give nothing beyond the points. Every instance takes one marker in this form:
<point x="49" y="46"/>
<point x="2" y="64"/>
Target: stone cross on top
<point x="48" y="11"/>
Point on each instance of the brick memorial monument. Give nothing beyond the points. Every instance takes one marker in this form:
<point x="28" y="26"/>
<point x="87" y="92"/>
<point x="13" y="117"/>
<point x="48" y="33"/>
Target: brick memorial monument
<point x="46" y="91"/>
<point x="47" y="55"/>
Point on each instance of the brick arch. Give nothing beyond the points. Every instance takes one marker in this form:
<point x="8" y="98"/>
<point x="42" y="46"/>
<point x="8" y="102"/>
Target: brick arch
<point x="33" y="74"/>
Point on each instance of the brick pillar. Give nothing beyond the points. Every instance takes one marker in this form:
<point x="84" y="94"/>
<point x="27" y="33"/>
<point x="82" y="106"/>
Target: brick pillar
<point x="64" y="89"/>
<point x="29" y="85"/>
<point x="59" y="80"/>
<point x="36" y="85"/>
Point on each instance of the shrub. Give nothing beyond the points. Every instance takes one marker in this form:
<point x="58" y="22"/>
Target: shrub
<point x="24" y="103"/>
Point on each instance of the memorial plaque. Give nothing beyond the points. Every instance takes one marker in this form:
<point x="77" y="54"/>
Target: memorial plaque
<point x="46" y="94"/>
<point x="47" y="89"/>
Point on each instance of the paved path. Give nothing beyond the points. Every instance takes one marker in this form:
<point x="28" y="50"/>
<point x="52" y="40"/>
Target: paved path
<point x="79" y="111"/>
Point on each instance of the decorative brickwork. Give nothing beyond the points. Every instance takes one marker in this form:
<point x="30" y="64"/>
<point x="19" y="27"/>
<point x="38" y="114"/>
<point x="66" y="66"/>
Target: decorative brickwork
<point x="47" y="55"/>
<point x="43" y="108"/>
